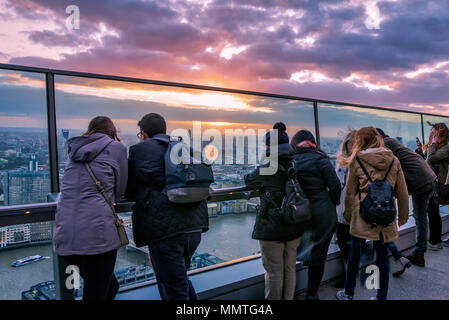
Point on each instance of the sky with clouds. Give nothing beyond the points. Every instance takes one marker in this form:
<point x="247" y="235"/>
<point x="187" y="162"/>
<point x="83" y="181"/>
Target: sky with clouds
<point x="392" y="53"/>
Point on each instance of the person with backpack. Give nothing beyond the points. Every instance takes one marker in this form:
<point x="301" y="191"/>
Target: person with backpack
<point x="171" y="230"/>
<point x="85" y="232"/>
<point x="322" y="187"/>
<point x="420" y="180"/>
<point x="437" y="151"/>
<point x="375" y="178"/>
<point x="278" y="240"/>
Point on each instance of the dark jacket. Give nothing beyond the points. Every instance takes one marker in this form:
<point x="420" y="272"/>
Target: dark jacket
<point x="321" y="185"/>
<point x="154" y="217"/>
<point x="84" y="222"/>
<point x="439" y="160"/>
<point x="417" y="172"/>
<point x="274" y="229"/>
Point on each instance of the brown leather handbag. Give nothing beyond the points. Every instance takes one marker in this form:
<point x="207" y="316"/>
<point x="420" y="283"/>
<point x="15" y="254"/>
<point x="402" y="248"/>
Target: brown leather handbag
<point x="118" y="222"/>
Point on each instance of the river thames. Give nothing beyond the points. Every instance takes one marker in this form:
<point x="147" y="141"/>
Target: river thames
<point x="228" y="238"/>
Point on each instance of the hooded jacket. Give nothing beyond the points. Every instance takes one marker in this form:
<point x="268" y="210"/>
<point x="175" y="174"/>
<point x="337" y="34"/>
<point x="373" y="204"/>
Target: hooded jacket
<point x="376" y="162"/>
<point x="274" y="230"/>
<point x="84" y="222"/>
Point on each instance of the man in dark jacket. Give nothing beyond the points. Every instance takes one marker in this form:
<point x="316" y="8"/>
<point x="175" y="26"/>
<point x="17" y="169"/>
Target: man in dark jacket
<point x="420" y="180"/>
<point x="278" y="241"/>
<point x="171" y="231"/>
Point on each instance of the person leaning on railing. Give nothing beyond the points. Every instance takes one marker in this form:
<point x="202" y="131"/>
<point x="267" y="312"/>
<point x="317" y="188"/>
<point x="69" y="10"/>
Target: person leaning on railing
<point x="85" y="231"/>
<point x="171" y="230"/>
<point x="420" y="180"/>
<point x="278" y="241"/>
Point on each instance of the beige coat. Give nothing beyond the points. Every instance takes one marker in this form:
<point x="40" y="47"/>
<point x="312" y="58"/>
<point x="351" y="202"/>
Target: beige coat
<point x="376" y="161"/>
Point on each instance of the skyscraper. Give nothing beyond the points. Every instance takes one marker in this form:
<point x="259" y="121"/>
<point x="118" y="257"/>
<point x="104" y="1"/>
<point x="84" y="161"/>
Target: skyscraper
<point x="23" y="186"/>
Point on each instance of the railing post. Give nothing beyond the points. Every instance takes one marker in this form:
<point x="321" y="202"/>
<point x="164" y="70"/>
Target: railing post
<point x="317" y="124"/>
<point x="422" y="130"/>
<point x="52" y="133"/>
<point x="59" y="264"/>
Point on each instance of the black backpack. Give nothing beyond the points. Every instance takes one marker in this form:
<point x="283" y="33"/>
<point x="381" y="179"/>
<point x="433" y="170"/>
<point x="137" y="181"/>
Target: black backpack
<point x="295" y="207"/>
<point x="185" y="182"/>
<point x="378" y="208"/>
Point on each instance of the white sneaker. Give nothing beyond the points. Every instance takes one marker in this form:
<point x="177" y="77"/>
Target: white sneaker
<point x="341" y="295"/>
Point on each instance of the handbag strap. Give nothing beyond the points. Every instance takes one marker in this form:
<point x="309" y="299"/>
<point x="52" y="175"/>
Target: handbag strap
<point x="102" y="191"/>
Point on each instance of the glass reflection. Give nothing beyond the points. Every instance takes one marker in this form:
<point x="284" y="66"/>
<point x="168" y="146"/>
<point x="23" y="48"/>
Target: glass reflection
<point x="197" y="112"/>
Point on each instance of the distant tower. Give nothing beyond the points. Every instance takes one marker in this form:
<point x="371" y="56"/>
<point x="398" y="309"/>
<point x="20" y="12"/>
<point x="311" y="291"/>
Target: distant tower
<point x="33" y="165"/>
<point x="65" y="134"/>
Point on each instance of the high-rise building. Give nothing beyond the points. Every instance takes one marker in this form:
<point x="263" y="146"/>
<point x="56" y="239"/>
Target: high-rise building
<point x="3" y="238"/>
<point x="40" y="231"/>
<point x="33" y="165"/>
<point x="23" y="186"/>
<point x="17" y="234"/>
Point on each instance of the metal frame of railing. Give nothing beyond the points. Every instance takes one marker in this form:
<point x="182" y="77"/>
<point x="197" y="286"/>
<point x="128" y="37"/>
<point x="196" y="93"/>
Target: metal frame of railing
<point x="23" y="214"/>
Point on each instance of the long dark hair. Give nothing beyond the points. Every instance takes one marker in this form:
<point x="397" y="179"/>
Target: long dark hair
<point x="443" y="135"/>
<point x="102" y="124"/>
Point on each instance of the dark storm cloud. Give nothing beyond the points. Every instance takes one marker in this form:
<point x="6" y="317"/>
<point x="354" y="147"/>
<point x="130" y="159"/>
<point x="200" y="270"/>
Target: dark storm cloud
<point x="164" y="39"/>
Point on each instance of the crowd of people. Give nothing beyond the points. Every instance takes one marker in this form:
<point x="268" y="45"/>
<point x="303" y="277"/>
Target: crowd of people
<point x="364" y="198"/>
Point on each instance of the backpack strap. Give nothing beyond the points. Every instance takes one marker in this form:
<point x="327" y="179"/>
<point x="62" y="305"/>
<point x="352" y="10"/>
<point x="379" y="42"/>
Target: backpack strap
<point x="388" y="171"/>
<point x="161" y="140"/>
<point x="364" y="169"/>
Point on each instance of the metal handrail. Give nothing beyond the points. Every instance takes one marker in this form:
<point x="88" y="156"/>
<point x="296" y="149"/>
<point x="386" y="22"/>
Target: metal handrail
<point x="40" y="212"/>
<point x="194" y="86"/>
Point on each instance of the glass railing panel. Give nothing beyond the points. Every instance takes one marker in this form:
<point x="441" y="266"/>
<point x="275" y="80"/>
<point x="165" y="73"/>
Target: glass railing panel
<point x="26" y="262"/>
<point x="334" y="121"/>
<point x="428" y="121"/>
<point x="24" y="179"/>
<point x="24" y="161"/>
<point x="197" y="112"/>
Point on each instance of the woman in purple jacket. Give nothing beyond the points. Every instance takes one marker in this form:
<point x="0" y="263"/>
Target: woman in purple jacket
<point x="84" y="230"/>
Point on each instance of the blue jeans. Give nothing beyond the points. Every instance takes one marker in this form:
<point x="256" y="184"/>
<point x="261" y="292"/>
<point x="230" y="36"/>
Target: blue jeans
<point x="171" y="259"/>
<point x="354" y="262"/>
<point x="394" y="250"/>
<point x="420" y="207"/>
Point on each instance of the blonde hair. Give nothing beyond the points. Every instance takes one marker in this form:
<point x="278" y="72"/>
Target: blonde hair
<point x="365" y="138"/>
<point x="345" y="152"/>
